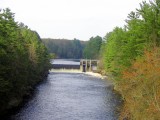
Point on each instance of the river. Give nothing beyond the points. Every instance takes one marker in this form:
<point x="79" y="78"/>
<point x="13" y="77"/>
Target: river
<point x="71" y="96"/>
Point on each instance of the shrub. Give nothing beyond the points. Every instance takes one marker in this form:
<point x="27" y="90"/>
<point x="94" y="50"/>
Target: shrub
<point x="140" y="87"/>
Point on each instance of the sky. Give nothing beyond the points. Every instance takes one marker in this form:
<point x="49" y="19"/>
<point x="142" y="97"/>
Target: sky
<point x="71" y="19"/>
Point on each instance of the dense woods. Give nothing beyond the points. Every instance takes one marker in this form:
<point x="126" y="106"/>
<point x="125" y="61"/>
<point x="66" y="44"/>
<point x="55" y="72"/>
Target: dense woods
<point x="24" y="61"/>
<point x="63" y="48"/>
<point x="132" y="56"/>
<point x="92" y="48"/>
<point x="74" y="49"/>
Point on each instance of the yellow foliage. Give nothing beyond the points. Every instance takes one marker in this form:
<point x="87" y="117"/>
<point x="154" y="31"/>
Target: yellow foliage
<point x="140" y="88"/>
<point x="32" y="54"/>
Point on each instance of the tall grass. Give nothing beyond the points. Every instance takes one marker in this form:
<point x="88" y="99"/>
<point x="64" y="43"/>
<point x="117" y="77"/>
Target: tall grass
<point x="140" y="88"/>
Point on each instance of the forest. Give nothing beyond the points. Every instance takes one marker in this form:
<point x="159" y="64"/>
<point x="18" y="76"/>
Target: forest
<point x="63" y="48"/>
<point x="74" y="49"/>
<point x="24" y="61"/>
<point x="25" y="58"/>
<point x="92" y="48"/>
<point x="130" y="55"/>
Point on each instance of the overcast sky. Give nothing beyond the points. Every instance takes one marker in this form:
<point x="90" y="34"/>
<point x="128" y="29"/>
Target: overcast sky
<point x="70" y="19"/>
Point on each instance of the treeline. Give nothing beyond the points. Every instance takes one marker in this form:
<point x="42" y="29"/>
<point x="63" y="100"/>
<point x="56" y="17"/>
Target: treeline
<point x="132" y="55"/>
<point x="63" y="48"/>
<point x="92" y="48"/>
<point x="75" y="49"/>
<point x="24" y="61"/>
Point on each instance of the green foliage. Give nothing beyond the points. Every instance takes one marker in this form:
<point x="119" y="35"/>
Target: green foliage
<point x="23" y="60"/>
<point x="92" y="48"/>
<point x="131" y="54"/>
<point x="124" y="45"/>
<point x="63" y="48"/>
<point x="52" y="55"/>
<point x="140" y="87"/>
<point x="113" y="50"/>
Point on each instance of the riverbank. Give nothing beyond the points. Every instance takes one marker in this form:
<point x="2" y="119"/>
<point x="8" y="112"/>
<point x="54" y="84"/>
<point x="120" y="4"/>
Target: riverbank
<point x="16" y="104"/>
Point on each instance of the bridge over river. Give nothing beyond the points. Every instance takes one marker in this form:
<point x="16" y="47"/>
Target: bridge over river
<point x="71" y="96"/>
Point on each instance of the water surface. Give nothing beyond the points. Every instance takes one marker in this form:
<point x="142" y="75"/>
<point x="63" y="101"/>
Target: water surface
<point x="66" y="61"/>
<point x="71" y="96"/>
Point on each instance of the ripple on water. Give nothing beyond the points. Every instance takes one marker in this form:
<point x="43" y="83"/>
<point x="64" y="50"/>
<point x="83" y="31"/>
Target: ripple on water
<point x="66" y="96"/>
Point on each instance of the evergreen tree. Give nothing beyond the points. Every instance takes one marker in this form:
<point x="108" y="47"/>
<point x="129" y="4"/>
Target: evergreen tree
<point x="23" y="60"/>
<point x="92" y="48"/>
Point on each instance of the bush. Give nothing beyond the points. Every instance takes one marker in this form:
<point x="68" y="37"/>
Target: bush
<point x="140" y="87"/>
